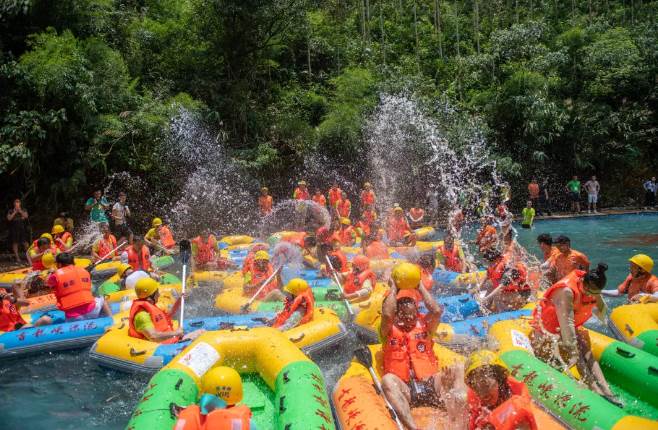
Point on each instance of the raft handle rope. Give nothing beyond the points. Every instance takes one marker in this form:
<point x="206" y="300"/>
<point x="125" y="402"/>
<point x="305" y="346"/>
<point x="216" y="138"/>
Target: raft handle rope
<point x="135" y="353"/>
<point x="340" y="287"/>
<point x="624" y="353"/>
<point x="298" y="339"/>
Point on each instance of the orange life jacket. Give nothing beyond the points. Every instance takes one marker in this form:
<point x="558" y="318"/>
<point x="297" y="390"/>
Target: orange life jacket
<point x="232" y="418"/>
<point x="161" y="320"/>
<point x="509" y="415"/>
<point x="297" y="238"/>
<point x="347" y="235"/>
<point x="344" y="207"/>
<point x="205" y="249"/>
<point x="647" y="284"/>
<point x="36" y="261"/>
<point x="334" y="195"/>
<point x="72" y="287"/>
<point x="9" y="315"/>
<point x="354" y="282"/>
<point x="105" y="245"/>
<point x="342" y="258"/>
<point x="404" y="351"/>
<point x="397" y="229"/>
<point x="367" y="197"/>
<point x="265" y="204"/>
<point x="301" y="195"/>
<point x="139" y="262"/>
<point x="365" y="227"/>
<point x="416" y="214"/>
<point x="321" y="200"/>
<point x="306" y="298"/>
<point x="497" y="270"/>
<point x="166" y="238"/>
<point x="486" y="237"/>
<point x="451" y="260"/>
<point x="377" y="250"/>
<point x="64" y="238"/>
<point x="583" y="303"/>
<point x="257" y="278"/>
<point x="426" y="278"/>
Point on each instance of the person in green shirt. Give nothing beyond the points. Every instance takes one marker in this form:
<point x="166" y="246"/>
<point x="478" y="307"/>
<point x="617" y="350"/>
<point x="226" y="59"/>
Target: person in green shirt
<point x="97" y="205"/>
<point x="528" y="214"/>
<point x="573" y="188"/>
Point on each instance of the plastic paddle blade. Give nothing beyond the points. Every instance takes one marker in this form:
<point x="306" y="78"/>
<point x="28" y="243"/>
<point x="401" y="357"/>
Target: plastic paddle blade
<point x="185" y="250"/>
<point x="364" y="356"/>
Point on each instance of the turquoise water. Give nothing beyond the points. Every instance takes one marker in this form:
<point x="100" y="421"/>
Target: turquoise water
<point x="68" y="391"/>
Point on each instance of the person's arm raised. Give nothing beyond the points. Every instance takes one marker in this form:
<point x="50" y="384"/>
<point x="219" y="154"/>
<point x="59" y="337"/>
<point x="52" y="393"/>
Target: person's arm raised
<point x="388" y="309"/>
<point x="433" y="318"/>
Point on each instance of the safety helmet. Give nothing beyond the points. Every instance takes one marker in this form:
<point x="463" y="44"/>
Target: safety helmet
<point x="397" y="208"/>
<point x="47" y="236"/>
<point x="48" y="260"/>
<point x="145" y="287"/>
<point x="225" y="383"/>
<point x="156" y="222"/>
<point x="261" y="255"/>
<point x="57" y="229"/>
<point x="367" y="185"/>
<point x="264" y="189"/>
<point x="361" y="262"/>
<point x="484" y="358"/>
<point x="406" y="276"/>
<point x="642" y="260"/>
<point x="296" y="286"/>
<point x="301" y="183"/>
<point x="345" y="221"/>
<point x="123" y="268"/>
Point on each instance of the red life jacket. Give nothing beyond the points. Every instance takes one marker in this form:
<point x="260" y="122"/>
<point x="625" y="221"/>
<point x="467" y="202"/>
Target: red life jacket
<point x="232" y="418"/>
<point x="451" y="259"/>
<point x="496" y="270"/>
<point x="365" y="227"/>
<point x="426" y="278"/>
<point x="105" y="245"/>
<point x="297" y="238"/>
<point x="166" y="238"/>
<point x="304" y="298"/>
<point x="583" y="303"/>
<point x="377" y="250"/>
<point x="321" y="200"/>
<point x="344" y="207"/>
<point x="367" y="197"/>
<point x="9" y="315"/>
<point x="410" y="350"/>
<point x="142" y="261"/>
<point x="301" y="195"/>
<point x="205" y="249"/>
<point x="416" y="214"/>
<point x="334" y="195"/>
<point x="397" y="229"/>
<point x="370" y="216"/>
<point x="347" y="235"/>
<point x="265" y="204"/>
<point x="509" y="415"/>
<point x="342" y="258"/>
<point x="161" y="320"/>
<point x="72" y="287"/>
<point x="354" y="282"/>
<point x="257" y="278"/>
<point x="64" y="238"/>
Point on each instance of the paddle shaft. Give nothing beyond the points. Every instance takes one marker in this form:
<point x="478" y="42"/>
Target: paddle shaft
<point x="104" y="257"/>
<point x="182" y="299"/>
<point x="340" y="287"/>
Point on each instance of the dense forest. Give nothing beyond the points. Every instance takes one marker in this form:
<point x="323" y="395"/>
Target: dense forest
<point x="89" y="87"/>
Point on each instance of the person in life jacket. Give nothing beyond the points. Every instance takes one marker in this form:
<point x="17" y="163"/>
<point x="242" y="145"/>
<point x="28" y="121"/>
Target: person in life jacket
<point x="343" y="207"/>
<point x="367" y="196"/>
<point x="504" y="218"/>
<point x="640" y="284"/>
<point x="218" y="408"/>
<point x="399" y="233"/>
<point x="411" y="368"/>
<point x="367" y="220"/>
<point x="299" y="305"/>
<point x="261" y="271"/>
<point x="310" y="252"/>
<point x="374" y="246"/>
<point x="487" y="236"/>
<point x="319" y="198"/>
<point x="334" y="194"/>
<point x="301" y="192"/>
<point x="545" y="242"/>
<point x="506" y="282"/>
<point x="559" y="337"/>
<point x="416" y="217"/>
<point x="160" y="237"/>
<point x="456" y="221"/>
<point x="36" y="253"/>
<point x="427" y="265"/>
<point x="248" y="262"/>
<point x="62" y="238"/>
<point x="496" y="400"/>
<point x="10" y="303"/>
<point x="72" y="289"/>
<point x="105" y="246"/>
<point x="148" y="321"/>
<point x="450" y="256"/>
<point x="565" y="261"/>
<point x="338" y="260"/>
<point x="346" y="234"/>
<point x="264" y="202"/>
<point x="358" y="284"/>
<point x="137" y="255"/>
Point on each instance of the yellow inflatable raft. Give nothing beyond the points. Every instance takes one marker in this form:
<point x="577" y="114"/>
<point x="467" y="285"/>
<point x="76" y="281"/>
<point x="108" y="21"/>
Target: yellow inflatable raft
<point x="237" y="239"/>
<point x="637" y="325"/>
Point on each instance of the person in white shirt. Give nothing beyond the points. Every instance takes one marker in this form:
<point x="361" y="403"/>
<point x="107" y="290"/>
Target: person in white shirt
<point x="592" y="187"/>
<point x="120" y="215"/>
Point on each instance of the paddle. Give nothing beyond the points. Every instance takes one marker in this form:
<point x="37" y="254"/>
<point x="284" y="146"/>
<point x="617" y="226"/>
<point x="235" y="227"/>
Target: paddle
<point x="245" y="308"/>
<point x="185" y="251"/>
<point x="103" y="258"/>
<point x="364" y="356"/>
<point x="340" y="287"/>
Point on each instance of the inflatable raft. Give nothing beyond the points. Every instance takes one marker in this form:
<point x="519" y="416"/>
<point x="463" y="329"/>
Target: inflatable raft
<point x="359" y="406"/>
<point x="631" y="373"/>
<point x="8" y="279"/>
<point x="637" y="325"/>
<point x="282" y="387"/>
<point x="116" y="349"/>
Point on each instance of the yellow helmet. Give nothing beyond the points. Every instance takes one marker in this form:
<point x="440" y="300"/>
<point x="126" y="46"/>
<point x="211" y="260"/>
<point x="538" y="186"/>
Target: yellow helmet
<point x="301" y="183"/>
<point x="57" y="229"/>
<point x="46" y="236"/>
<point x="262" y="255"/>
<point x="48" y="260"/>
<point x="264" y="189"/>
<point x="406" y="276"/>
<point x="642" y="260"/>
<point x="483" y="358"/>
<point x="225" y="383"/>
<point x="122" y="269"/>
<point x="296" y="286"/>
<point x="145" y="287"/>
<point x="367" y="185"/>
<point x="156" y="222"/>
<point x="397" y="208"/>
<point x="345" y="221"/>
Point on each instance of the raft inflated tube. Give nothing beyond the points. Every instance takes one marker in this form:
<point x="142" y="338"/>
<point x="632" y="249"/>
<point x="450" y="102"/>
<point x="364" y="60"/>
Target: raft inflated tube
<point x="292" y="397"/>
<point x="112" y="291"/>
<point x="576" y="406"/>
<point x="118" y="350"/>
<point x="235" y="280"/>
<point x="447" y="278"/>
<point x="637" y="325"/>
<point x="9" y="279"/>
<point x="424" y="233"/>
<point x="237" y="239"/>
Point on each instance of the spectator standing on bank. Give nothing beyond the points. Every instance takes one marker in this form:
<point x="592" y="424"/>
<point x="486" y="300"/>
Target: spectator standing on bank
<point x="593" y="188"/>
<point x="573" y="190"/>
<point x="18" y="219"/>
<point x="527" y="215"/>
<point x="120" y="215"/>
<point x="545" y="198"/>
<point x="533" y="194"/>
<point x="650" y="188"/>
<point x="97" y="205"/>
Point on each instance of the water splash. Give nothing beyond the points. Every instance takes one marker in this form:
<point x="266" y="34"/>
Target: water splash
<point x="294" y="215"/>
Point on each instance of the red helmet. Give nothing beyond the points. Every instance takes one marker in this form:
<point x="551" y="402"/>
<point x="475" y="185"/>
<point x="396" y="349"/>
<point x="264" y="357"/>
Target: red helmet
<point x="361" y="262"/>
